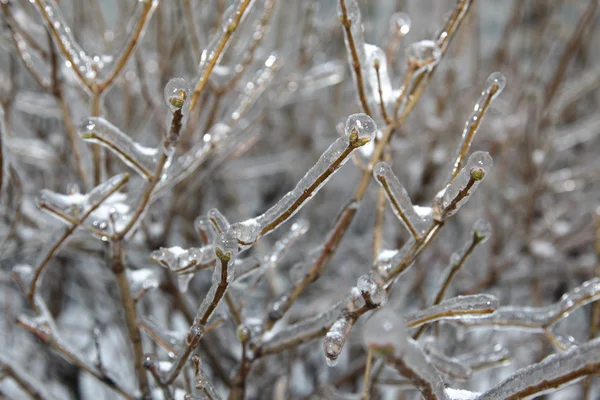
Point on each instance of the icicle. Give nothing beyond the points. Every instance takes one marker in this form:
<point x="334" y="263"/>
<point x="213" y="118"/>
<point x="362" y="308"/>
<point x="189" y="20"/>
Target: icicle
<point x="400" y="202"/>
<point x="359" y="129"/>
<point x="452" y="369"/>
<point x="400" y="23"/>
<point x="494" y="85"/>
<point x="141" y="159"/>
<point x="376" y="64"/>
<point x="424" y="55"/>
<point x="461" y="307"/>
<point x="334" y="341"/>
<point x="450" y="199"/>
<point x="551" y="374"/>
<point x="302" y="331"/>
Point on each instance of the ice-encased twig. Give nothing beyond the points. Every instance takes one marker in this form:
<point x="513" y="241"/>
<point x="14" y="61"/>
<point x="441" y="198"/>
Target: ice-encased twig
<point x="231" y="19"/>
<point x="226" y="249"/>
<point x="141" y="159"/>
<point x="350" y="16"/>
<point x="359" y="130"/>
<point x="401" y="204"/>
<point x="551" y="374"/>
<point x="317" y="264"/>
<point x="300" y="332"/>
<point x="537" y="319"/>
<point x="79" y="207"/>
<point x="34" y="387"/>
<point x="451" y="368"/>
<point x="377" y="76"/>
<point x="450" y="199"/>
<point x="457" y="308"/>
<point x="486" y="357"/>
<point x="44" y="328"/>
<point x="385" y="333"/>
<point x="493" y="87"/>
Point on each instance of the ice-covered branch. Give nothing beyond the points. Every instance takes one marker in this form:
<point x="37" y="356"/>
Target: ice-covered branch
<point x="466" y="308"/>
<point x="359" y="130"/>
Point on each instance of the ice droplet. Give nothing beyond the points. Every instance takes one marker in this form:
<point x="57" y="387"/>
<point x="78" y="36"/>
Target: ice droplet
<point x="176" y="93"/>
<point x="425" y="54"/>
<point x="360" y="126"/>
<point x="400" y="23"/>
<point x="482" y="230"/>
<point x="495" y="84"/>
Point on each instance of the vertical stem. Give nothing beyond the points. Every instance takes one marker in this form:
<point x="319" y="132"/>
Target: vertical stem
<point x="130" y="318"/>
<point x="96" y="149"/>
<point x="365" y="394"/>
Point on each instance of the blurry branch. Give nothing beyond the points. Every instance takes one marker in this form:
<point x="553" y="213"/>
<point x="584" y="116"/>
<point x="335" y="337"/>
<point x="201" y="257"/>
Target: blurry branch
<point x="585" y="23"/>
<point x="33" y="387"/>
<point x="214" y="55"/>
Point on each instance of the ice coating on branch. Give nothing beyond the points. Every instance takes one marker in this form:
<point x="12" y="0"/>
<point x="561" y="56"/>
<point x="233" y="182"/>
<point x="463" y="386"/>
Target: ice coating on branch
<point x="376" y="64"/>
<point x="254" y="88"/>
<point x="537" y="318"/>
<point x="450" y="199"/>
<point x="355" y="41"/>
<point x="282" y="246"/>
<point x="141" y="159"/>
<point x="385" y="331"/>
<point x="494" y="85"/>
<point x="75" y="205"/>
<point x="205" y="229"/>
<point x="304" y="330"/>
<point x="218" y="220"/>
<point x="400" y="23"/>
<point x="184" y="262"/>
<point x="400" y="201"/>
<point x="549" y="375"/>
<point x="176" y="93"/>
<point x="371" y="287"/>
<point x="360" y="129"/>
<point x="424" y="55"/>
<point x="452" y="369"/>
<point x="486" y="357"/>
<point x="460" y="307"/>
<point x="387" y="260"/>
<point x="386" y="334"/>
<point x="334" y="341"/>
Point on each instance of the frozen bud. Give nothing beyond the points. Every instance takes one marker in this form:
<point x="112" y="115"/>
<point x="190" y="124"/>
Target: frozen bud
<point x="335" y="340"/>
<point x="424" y="53"/>
<point x="400" y="23"/>
<point x="360" y="129"/>
<point x="495" y="83"/>
<point x="482" y="230"/>
<point x="176" y="93"/>
<point x="355" y="300"/>
<point x="245" y="232"/>
<point x="365" y="284"/>
<point x="226" y="246"/>
<point x="385" y="332"/>
<point x="243" y="333"/>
